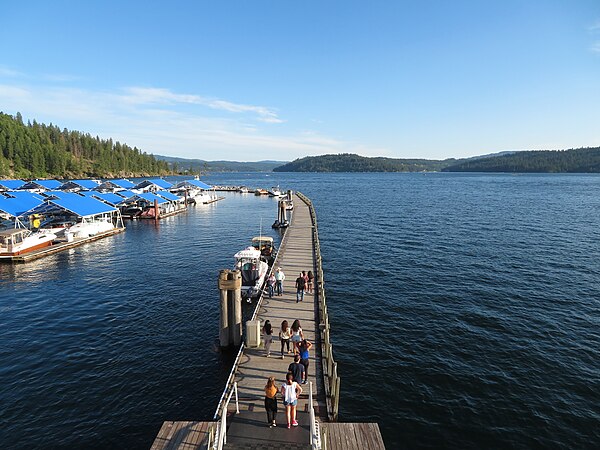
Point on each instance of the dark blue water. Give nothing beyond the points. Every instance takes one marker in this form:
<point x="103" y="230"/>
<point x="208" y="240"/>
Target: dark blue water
<point x="465" y="313"/>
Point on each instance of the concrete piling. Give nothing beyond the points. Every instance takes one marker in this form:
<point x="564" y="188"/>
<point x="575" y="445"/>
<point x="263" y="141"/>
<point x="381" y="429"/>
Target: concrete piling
<point x="230" y="328"/>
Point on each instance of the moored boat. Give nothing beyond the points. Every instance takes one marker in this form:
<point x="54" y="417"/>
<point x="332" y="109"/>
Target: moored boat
<point x="253" y="268"/>
<point x="16" y="241"/>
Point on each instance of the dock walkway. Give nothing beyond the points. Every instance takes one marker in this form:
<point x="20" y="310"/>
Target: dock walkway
<point x="248" y="428"/>
<point x="250" y="425"/>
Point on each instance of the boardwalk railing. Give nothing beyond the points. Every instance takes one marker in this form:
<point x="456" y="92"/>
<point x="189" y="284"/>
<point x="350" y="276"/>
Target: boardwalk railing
<point x="332" y="380"/>
<point x="217" y="438"/>
<point x="315" y="434"/>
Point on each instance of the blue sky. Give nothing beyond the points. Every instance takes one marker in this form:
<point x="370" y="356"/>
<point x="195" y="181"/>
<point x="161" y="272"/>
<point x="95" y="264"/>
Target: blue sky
<point x="253" y="80"/>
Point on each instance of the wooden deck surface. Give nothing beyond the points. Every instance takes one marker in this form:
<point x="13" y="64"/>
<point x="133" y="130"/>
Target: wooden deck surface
<point x="181" y="436"/>
<point x="351" y="436"/>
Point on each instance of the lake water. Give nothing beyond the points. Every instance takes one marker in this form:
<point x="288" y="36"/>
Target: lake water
<point x="465" y="313"/>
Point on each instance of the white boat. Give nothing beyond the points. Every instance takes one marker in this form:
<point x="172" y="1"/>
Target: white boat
<point x="254" y="271"/>
<point x="17" y="241"/>
<point x="90" y="227"/>
<point x="275" y="192"/>
<point x="243" y="190"/>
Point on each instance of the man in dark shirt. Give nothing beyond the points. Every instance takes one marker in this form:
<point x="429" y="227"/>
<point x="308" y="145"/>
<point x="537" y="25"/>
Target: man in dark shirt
<point x="297" y="370"/>
<point x="300" y="283"/>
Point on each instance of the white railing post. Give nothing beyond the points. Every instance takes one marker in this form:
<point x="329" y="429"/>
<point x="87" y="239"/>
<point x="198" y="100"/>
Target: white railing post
<point x="237" y="405"/>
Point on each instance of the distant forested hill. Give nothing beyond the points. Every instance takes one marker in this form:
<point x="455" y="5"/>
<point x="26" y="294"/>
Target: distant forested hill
<point x="581" y="160"/>
<point x="200" y="165"/>
<point x="347" y="162"/>
<point x="36" y="150"/>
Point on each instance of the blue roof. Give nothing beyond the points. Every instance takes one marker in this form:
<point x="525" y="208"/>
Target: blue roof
<point x="168" y="195"/>
<point x="76" y="204"/>
<point x="149" y="197"/>
<point x="44" y="184"/>
<point x="25" y="195"/>
<point x="16" y="207"/>
<point x="125" y="184"/>
<point x="11" y="184"/>
<point x="59" y="194"/>
<point x="86" y="184"/>
<point x="125" y="193"/>
<point x="197" y="183"/>
<point x="157" y="181"/>
<point x="110" y="198"/>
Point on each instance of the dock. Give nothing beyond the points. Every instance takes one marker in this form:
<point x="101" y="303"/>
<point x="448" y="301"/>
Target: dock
<point x="240" y="419"/>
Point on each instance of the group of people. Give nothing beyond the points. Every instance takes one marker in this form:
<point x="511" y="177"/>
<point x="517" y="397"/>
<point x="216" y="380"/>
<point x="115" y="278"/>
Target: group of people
<point x="297" y="373"/>
<point x="304" y="282"/>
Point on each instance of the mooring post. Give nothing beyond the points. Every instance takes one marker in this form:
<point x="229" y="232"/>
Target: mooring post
<point x="155" y="209"/>
<point x="185" y="199"/>
<point x="236" y="294"/>
<point x="224" y="319"/>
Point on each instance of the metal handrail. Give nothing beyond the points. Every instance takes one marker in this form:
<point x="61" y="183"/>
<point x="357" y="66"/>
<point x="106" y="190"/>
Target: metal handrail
<point x="221" y="439"/>
<point x="315" y="435"/>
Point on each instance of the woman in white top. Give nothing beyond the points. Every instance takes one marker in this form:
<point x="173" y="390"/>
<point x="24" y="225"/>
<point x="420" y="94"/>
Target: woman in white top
<point x="290" y="392"/>
<point x="284" y="336"/>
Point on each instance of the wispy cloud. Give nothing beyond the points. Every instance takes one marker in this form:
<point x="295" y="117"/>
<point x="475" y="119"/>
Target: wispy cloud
<point x="595" y="28"/>
<point x="142" y="95"/>
<point x="8" y="72"/>
<point x="595" y="47"/>
<point x="161" y="121"/>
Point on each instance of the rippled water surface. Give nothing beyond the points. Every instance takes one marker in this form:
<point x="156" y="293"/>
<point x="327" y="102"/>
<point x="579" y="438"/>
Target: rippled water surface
<point x="465" y="313"/>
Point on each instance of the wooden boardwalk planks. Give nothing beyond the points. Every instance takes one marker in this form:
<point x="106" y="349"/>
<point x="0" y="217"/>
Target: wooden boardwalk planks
<point x="183" y="435"/>
<point x="351" y="436"/>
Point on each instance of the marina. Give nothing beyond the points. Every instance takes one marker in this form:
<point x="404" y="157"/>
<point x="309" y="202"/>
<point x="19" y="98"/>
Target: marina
<point x="43" y="217"/>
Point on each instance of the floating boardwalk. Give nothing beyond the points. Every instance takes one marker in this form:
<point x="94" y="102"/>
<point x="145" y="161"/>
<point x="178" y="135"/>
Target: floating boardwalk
<point x="240" y="419"/>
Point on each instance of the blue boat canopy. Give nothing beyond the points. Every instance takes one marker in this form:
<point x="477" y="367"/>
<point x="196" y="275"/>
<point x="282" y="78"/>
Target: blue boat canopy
<point x="42" y="184"/>
<point x="116" y="184"/>
<point x="190" y="183"/>
<point x="158" y="182"/>
<point x="58" y="194"/>
<point x="110" y="198"/>
<point x="17" y="207"/>
<point x="76" y="204"/>
<point x="168" y="195"/>
<point x="80" y="184"/>
<point x="11" y="184"/>
<point x="147" y="196"/>
<point x="125" y="193"/>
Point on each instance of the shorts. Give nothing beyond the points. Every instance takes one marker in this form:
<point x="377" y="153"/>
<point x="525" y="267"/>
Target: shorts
<point x="294" y="403"/>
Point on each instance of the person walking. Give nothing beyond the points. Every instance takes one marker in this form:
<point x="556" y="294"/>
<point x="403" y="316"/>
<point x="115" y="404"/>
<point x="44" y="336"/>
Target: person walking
<point x="300" y="283"/>
<point x="297" y="335"/>
<point x="279" y="277"/>
<point x="290" y="392"/>
<point x="297" y="370"/>
<point x="271" y="401"/>
<point x="309" y="285"/>
<point x="304" y="347"/>
<point x="284" y="336"/>
<point x="271" y="285"/>
<point x="267" y="332"/>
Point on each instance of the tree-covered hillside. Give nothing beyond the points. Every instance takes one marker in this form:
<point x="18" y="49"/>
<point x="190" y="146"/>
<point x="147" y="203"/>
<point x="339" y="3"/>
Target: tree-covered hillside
<point x="347" y="162"/>
<point x="201" y="165"/>
<point x="581" y="160"/>
<point x="36" y="150"/>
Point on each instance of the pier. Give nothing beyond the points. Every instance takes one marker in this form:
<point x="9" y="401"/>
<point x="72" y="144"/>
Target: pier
<point x="240" y="418"/>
